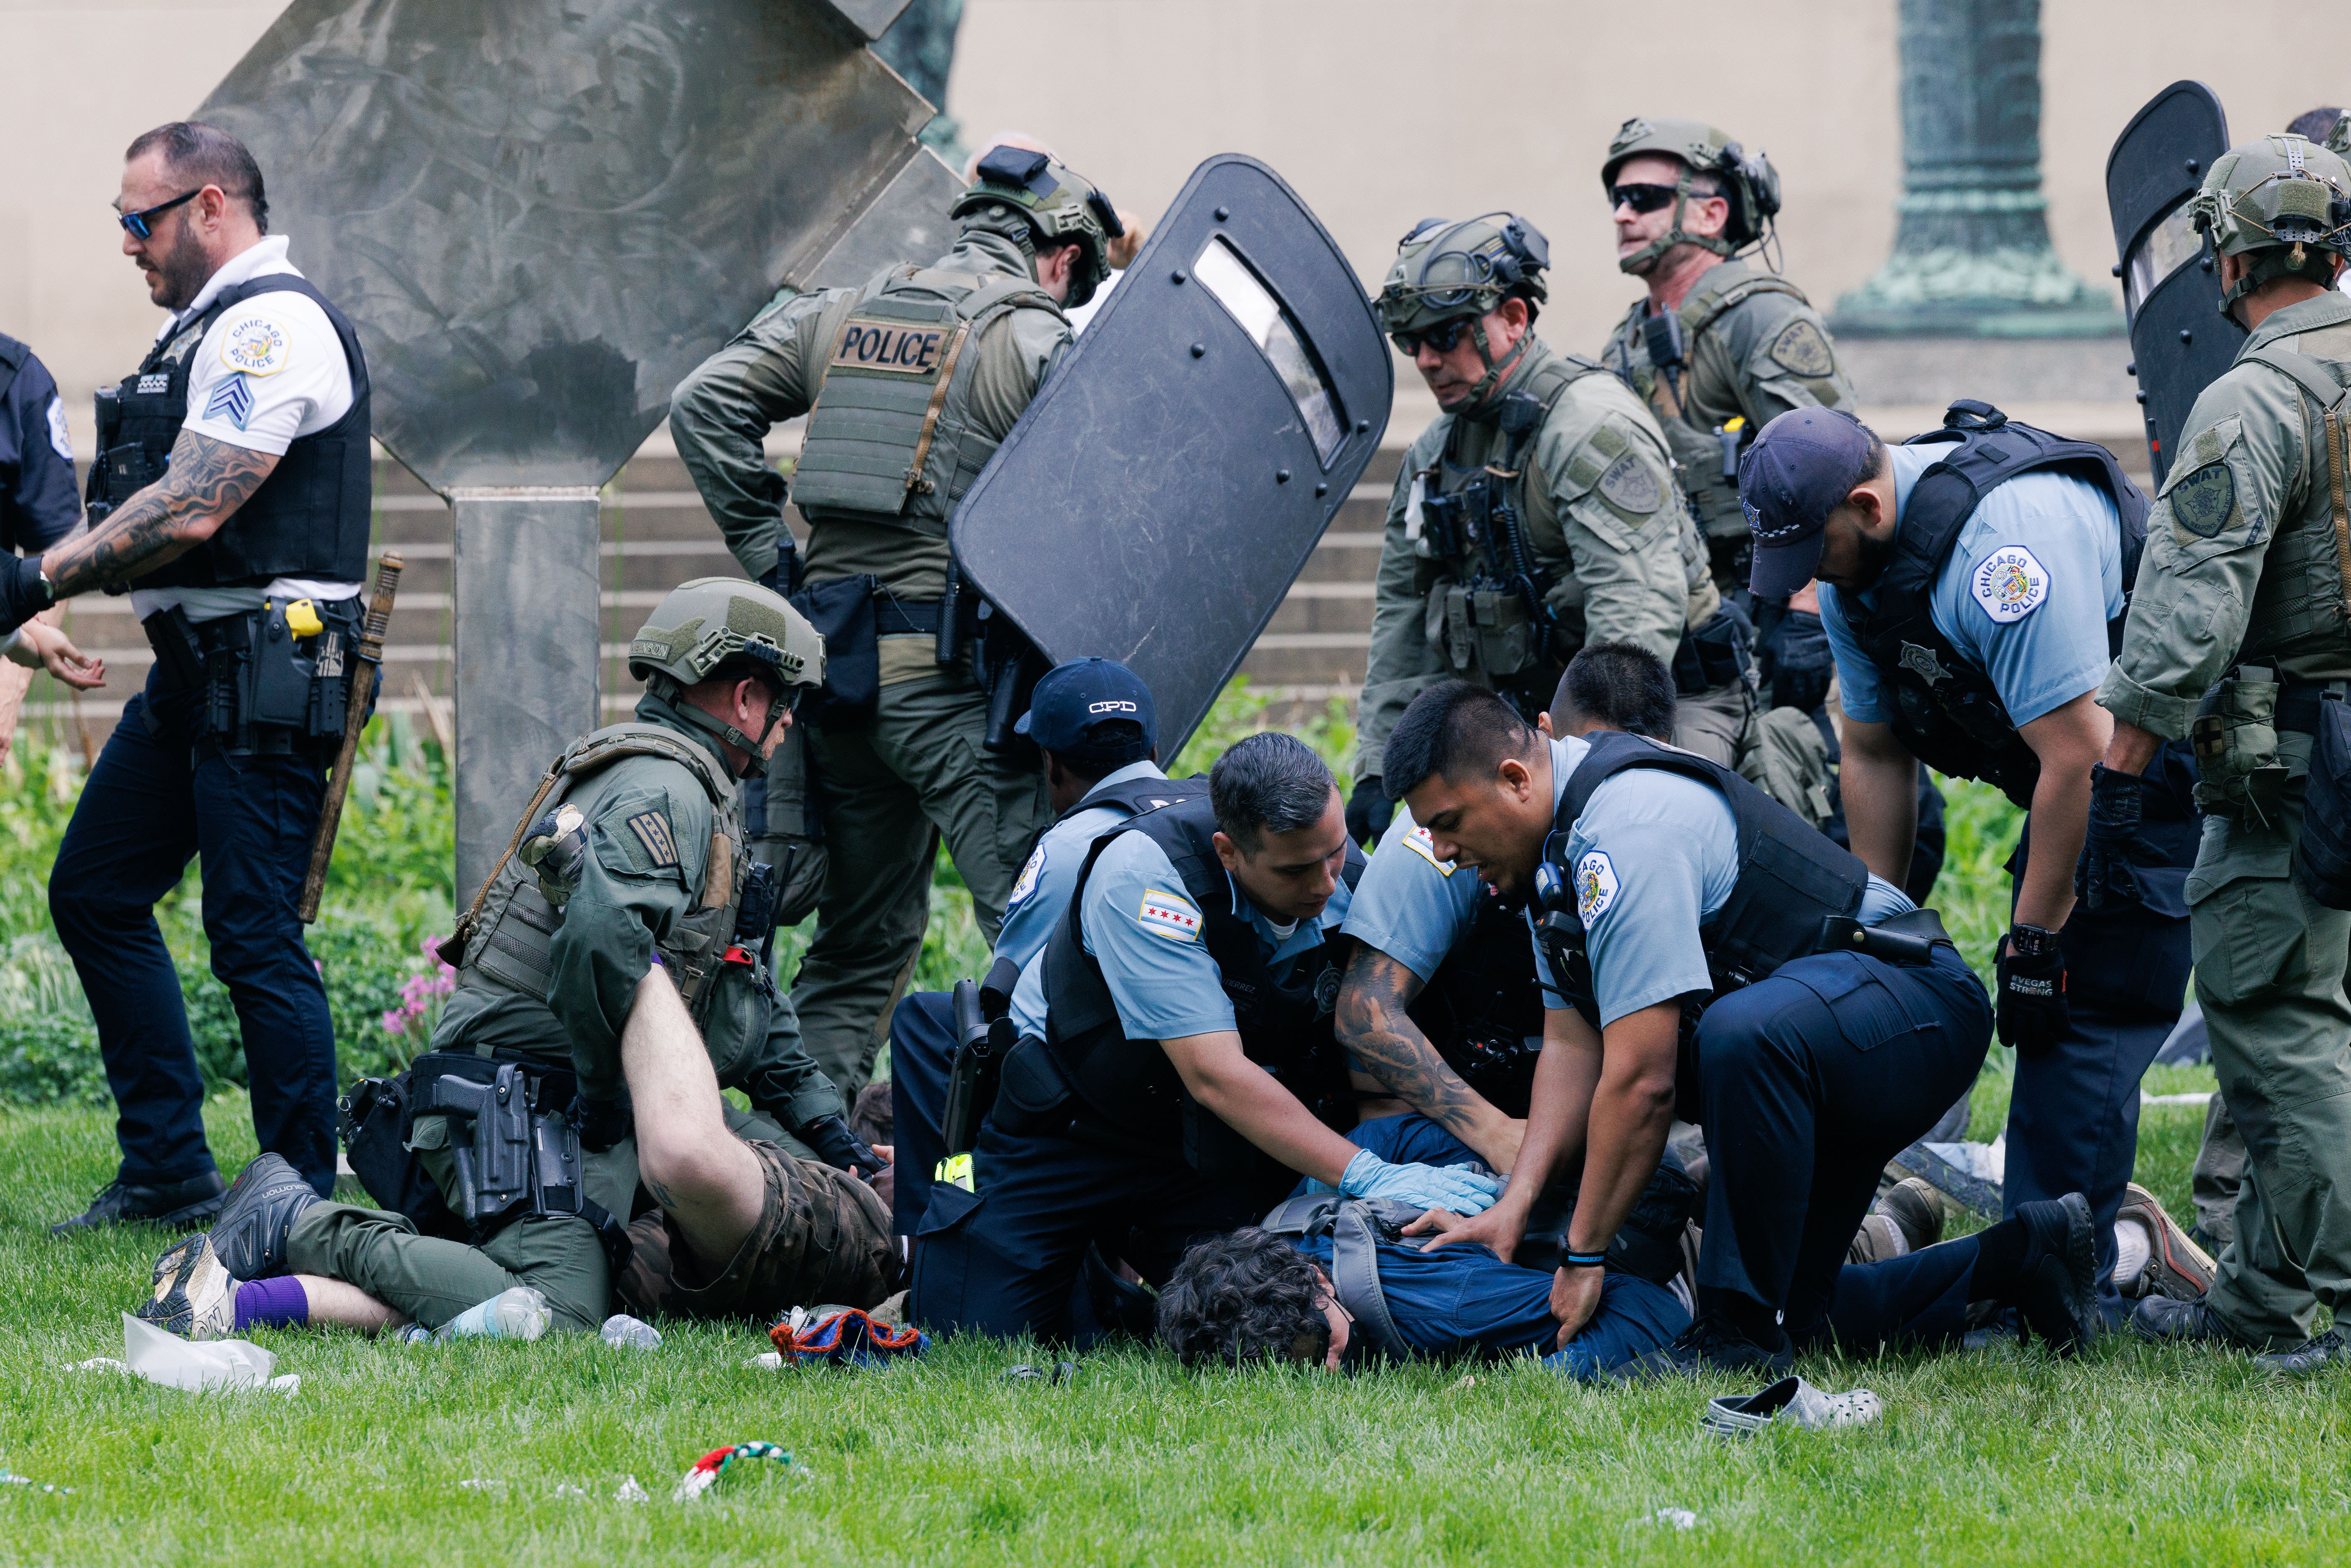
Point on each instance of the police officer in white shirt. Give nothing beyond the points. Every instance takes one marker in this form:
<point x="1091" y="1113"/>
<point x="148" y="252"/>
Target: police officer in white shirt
<point x="230" y="496"/>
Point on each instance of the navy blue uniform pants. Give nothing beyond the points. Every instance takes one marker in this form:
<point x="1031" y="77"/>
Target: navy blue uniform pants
<point x="1916" y="1301"/>
<point x="2072" y="1116"/>
<point x="1010" y="1258"/>
<point x="1809" y="1081"/>
<point x="154" y="802"/>
<point x="922" y="1055"/>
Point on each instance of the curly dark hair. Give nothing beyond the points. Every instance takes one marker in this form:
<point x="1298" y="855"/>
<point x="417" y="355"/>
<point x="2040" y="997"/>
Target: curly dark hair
<point x="1244" y="1296"/>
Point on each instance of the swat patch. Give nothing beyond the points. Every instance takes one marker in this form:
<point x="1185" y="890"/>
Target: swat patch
<point x="1425" y="848"/>
<point x="2009" y="584"/>
<point x="256" y="344"/>
<point x="653" y="831"/>
<point x="1169" y="915"/>
<point x="892" y="346"/>
<point x="2203" y="502"/>
<point x="1025" y="884"/>
<point x="1802" y="350"/>
<point x="1596" y="885"/>
<point x="1632" y="485"/>
<point x="232" y="400"/>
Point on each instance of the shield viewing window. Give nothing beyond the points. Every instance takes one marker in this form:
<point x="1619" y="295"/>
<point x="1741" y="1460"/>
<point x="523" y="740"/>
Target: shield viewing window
<point x="2171" y="244"/>
<point x="1226" y="277"/>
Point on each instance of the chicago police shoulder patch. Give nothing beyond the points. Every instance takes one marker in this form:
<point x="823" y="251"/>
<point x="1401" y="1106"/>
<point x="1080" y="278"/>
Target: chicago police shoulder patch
<point x="1802" y="350"/>
<point x="1424" y="847"/>
<point x="2009" y="584"/>
<point x="1025" y="884"/>
<point x="256" y="344"/>
<point x="651" y="829"/>
<point x="1168" y="914"/>
<point x="2202" y="502"/>
<point x="1632" y="485"/>
<point x="1596" y="885"/>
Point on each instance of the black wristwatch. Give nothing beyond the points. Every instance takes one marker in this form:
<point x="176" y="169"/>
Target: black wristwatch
<point x="2031" y="941"/>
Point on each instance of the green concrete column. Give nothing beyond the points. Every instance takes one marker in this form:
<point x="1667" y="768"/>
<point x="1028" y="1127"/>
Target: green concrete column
<point x="1971" y="257"/>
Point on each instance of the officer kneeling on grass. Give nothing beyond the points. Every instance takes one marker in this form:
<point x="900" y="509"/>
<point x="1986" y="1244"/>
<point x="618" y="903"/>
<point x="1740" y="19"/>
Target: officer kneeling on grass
<point x="612" y="975"/>
<point x="1703" y="953"/>
<point x="1176" y="1072"/>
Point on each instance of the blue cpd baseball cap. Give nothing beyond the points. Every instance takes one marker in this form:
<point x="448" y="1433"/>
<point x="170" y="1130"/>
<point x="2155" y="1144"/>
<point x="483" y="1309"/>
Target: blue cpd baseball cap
<point x="1800" y="469"/>
<point x="1073" y="698"/>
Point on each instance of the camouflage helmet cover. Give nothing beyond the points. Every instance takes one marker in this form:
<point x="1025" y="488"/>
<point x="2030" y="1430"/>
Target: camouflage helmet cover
<point x="700" y="625"/>
<point x="1748" y="180"/>
<point x="1058" y="204"/>
<point x="2279" y="200"/>
<point x="1445" y="270"/>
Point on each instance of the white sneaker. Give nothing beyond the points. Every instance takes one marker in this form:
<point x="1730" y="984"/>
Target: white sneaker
<point x="1791" y="1399"/>
<point x="193" y="1294"/>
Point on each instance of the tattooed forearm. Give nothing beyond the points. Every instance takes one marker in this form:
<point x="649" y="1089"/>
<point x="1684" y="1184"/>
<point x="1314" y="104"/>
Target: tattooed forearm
<point x="1374" y="1028"/>
<point x="207" y="482"/>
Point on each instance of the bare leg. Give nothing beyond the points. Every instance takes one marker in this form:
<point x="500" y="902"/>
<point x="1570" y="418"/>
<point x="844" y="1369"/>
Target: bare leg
<point x="347" y="1306"/>
<point x="704" y="1178"/>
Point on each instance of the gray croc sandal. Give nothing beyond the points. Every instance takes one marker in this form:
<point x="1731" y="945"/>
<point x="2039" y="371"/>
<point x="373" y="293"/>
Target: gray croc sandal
<point x="1791" y="1400"/>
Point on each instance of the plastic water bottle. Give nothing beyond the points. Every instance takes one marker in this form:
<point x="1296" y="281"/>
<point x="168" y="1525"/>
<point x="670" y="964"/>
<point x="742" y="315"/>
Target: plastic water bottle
<point x="520" y="1312"/>
<point x="626" y="1332"/>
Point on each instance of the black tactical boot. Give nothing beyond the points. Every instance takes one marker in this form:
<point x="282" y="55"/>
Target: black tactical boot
<point x="249" y="1237"/>
<point x="2311" y="1355"/>
<point x="183" y="1205"/>
<point x="2167" y="1321"/>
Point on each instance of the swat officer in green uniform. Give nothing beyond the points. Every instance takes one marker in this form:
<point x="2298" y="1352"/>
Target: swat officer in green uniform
<point x="629" y="859"/>
<point x="1718" y="349"/>
<point x="1537" y="513"/>
<point x="909" y="383"/>
<point x="2239" y="639"/>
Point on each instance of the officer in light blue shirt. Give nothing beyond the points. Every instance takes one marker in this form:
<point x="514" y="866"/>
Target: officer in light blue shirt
<point x="1094" y="722"/>
<point x="1973" y="582"/>
<point x="1176" y="1069"/>
<point x="1706" y="954"/>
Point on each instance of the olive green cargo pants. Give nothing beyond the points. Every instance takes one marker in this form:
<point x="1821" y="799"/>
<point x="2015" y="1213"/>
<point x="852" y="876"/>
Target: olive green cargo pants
<point x="2269" y="972"/>
<point x="890" y="794"/>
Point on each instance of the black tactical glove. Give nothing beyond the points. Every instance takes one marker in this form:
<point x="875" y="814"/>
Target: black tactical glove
<point x="1369" y="812"/>
<point x="841" y="1149"/>
<point x="2105" y="878"/>
<point x="2031" y="994"/>
<point x="1801" y="663"/>
<point x="24" y="592"/>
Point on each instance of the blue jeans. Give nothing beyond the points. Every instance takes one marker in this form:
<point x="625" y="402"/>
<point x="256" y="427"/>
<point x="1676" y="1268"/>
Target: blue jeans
<point x="156" y="801"/>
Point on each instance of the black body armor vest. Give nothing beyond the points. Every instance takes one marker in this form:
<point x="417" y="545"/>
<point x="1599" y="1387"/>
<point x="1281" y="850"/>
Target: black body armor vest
<point x="1792" y="879"/>
<point x="1481" y="1009"/>
<point x="1283" y="1012"/>
<point x="1135" y="796"/>
<point x="1946" y="710"/>
<point x="308" y="518"/>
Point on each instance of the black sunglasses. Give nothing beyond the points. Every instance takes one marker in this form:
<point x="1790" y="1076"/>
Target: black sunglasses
<point x="137" y="224"/>
<point x="1441" y="337"/>
<point x="1642" y="198"/>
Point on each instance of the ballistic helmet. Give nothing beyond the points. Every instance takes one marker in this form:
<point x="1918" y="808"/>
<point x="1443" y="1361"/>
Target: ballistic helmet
<point x="2280" y="201"/>
<point x="1445" y="270"/>
<point x="1033" y="199"/>
<point x="720" y="625"/>
<point x="1748" y="181"/>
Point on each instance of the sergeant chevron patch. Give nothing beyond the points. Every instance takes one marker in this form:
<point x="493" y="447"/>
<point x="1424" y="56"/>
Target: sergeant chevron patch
<point x="1166" y="915"/>
<point x="231" y="401"/>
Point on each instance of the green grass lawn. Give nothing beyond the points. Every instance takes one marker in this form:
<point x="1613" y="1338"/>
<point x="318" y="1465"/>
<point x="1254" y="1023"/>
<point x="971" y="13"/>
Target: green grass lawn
<point x="2134" y="1453"/>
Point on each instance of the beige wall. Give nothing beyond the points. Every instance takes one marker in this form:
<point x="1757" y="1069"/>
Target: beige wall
<point x="1379" y="112"/>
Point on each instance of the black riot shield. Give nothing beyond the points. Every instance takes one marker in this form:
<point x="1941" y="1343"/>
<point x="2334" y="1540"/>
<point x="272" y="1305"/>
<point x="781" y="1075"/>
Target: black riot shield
<point x="2180" y="339"/>
<point x="1156" y="501"/>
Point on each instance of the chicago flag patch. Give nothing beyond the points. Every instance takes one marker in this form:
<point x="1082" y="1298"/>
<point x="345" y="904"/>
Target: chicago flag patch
<point x="1166" y="915"/>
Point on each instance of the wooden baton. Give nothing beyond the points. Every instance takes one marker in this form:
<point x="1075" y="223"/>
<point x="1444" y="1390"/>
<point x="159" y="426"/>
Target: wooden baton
<point x="364" y="680"/>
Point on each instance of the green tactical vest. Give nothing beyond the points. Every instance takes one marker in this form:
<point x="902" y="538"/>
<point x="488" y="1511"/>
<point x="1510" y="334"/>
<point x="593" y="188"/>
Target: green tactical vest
<point x="1481" y="626"/>
<point x="2301" y="611"/>
<point x="890" y="438"/>
<point x="1696" y="450"/>
<point x="508" y="931"/>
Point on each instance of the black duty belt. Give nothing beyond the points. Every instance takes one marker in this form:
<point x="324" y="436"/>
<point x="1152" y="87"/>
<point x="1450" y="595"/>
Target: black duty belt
<point x="2297" y="707"/>
<point x="900" y="617"/>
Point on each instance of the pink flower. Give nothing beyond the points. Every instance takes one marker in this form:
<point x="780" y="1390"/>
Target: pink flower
<point x="394" y="1022"/>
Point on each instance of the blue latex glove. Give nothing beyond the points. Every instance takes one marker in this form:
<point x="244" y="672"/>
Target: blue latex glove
<point x="1458" y="1188"/>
